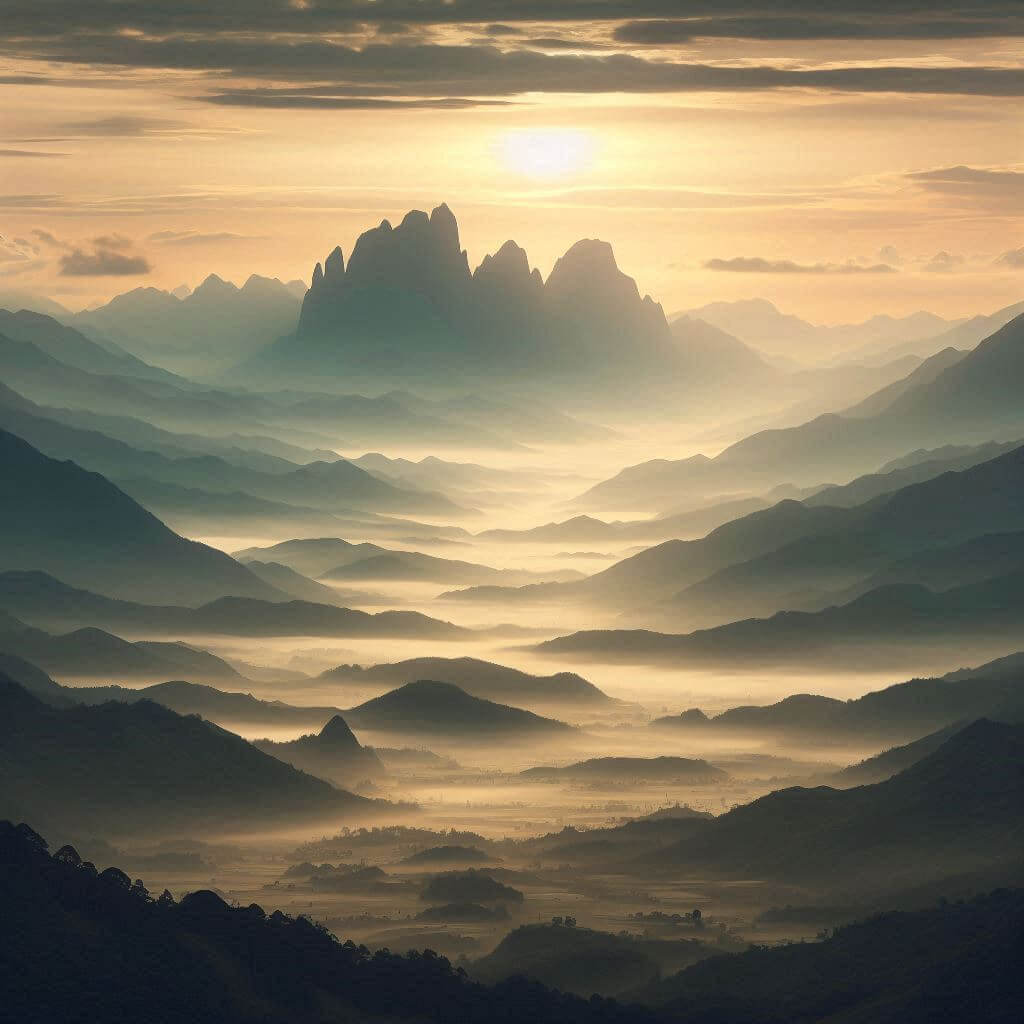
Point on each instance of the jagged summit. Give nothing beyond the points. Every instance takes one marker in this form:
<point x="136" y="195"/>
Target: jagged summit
<point x="407" y="303"/>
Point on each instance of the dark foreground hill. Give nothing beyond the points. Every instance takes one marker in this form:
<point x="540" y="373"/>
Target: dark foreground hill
<point x="426" y="706"/>
<point x="584" y="961"/>
<point x="57" y="517"/>
<point x="953" y="963"/>
<point x="75" y="944"/>
<point x="128" y="767"/>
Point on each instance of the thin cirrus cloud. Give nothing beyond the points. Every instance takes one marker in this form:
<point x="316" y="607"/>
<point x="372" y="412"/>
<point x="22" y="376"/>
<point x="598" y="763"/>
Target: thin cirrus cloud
<point x="760" y="265"/>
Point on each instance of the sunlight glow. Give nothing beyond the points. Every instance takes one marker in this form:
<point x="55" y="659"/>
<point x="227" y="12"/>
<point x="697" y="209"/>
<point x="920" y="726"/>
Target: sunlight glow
<point x="547" y="154"/>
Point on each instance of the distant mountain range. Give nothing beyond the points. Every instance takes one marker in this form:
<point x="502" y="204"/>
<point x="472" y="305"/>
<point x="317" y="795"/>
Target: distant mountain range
<point x="210" y="329"/>
<point x="968" y="400"/>
<point x="760" y="323"/>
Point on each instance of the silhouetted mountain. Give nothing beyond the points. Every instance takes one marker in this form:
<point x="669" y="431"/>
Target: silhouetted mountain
<point x="625" y="770"/>
<point x="126" y="767"/>
<point x="333" y="753"/>
<point x="64" y="520"/>
<point x="43" y="600"/>
<point x="211" y="328"/>
<point x="479" y="678"/>
<point x="407" y="306"/>
<point x="428" y="707"/>
<point x="122" y="954"/>
<point x="955" y="811"/>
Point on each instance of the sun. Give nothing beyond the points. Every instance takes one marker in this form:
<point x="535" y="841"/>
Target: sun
<point x="546" y="154"/>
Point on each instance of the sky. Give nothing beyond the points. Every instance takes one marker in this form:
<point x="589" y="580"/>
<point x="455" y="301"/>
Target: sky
<point x="840" y="158"/>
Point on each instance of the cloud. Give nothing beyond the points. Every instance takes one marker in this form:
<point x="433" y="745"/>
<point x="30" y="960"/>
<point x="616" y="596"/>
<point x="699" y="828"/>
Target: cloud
<point x="199" y="237"/>
<point x="122" y="126"/>
<point x="964" y="175"/>
<point x="103" y="261"/>
<point x="402" y="72"/>
<point x="309" y="100"/>
<point x="890" y="254"/>
<point x="14" y="250"/>
<point x="119" y="243"/>
<point x="822" y="24"/>
<point x="28" y="153"/>
<point x="46" y="237"/>
<point x="759" y="265"/>
<point x="1014" y="259"/>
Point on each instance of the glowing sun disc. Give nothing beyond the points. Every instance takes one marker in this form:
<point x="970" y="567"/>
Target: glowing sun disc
<point x="546" y="154"/>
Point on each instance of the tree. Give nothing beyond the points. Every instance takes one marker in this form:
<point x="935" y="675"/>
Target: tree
<point x="67" y="854"/>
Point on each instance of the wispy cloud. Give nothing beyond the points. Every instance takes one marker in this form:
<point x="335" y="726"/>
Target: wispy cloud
<point x="760" y="265"/>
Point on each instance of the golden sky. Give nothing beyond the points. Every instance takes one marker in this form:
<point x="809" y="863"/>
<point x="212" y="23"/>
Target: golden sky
<point x="841" y="159"/>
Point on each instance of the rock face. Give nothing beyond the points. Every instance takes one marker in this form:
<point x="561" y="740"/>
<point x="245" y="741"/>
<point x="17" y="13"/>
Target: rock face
<point x="408" y="303"/>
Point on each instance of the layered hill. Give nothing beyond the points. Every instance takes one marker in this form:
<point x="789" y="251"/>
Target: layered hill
<point x="954" y="812"/>
<point x="61" y="519"/>
<point x="426" y="707"/>
<point x="973" y="400"/>
<point x="478" y="678"/>
<point x="45" y="601"/>
<point x="129" y="767"/>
